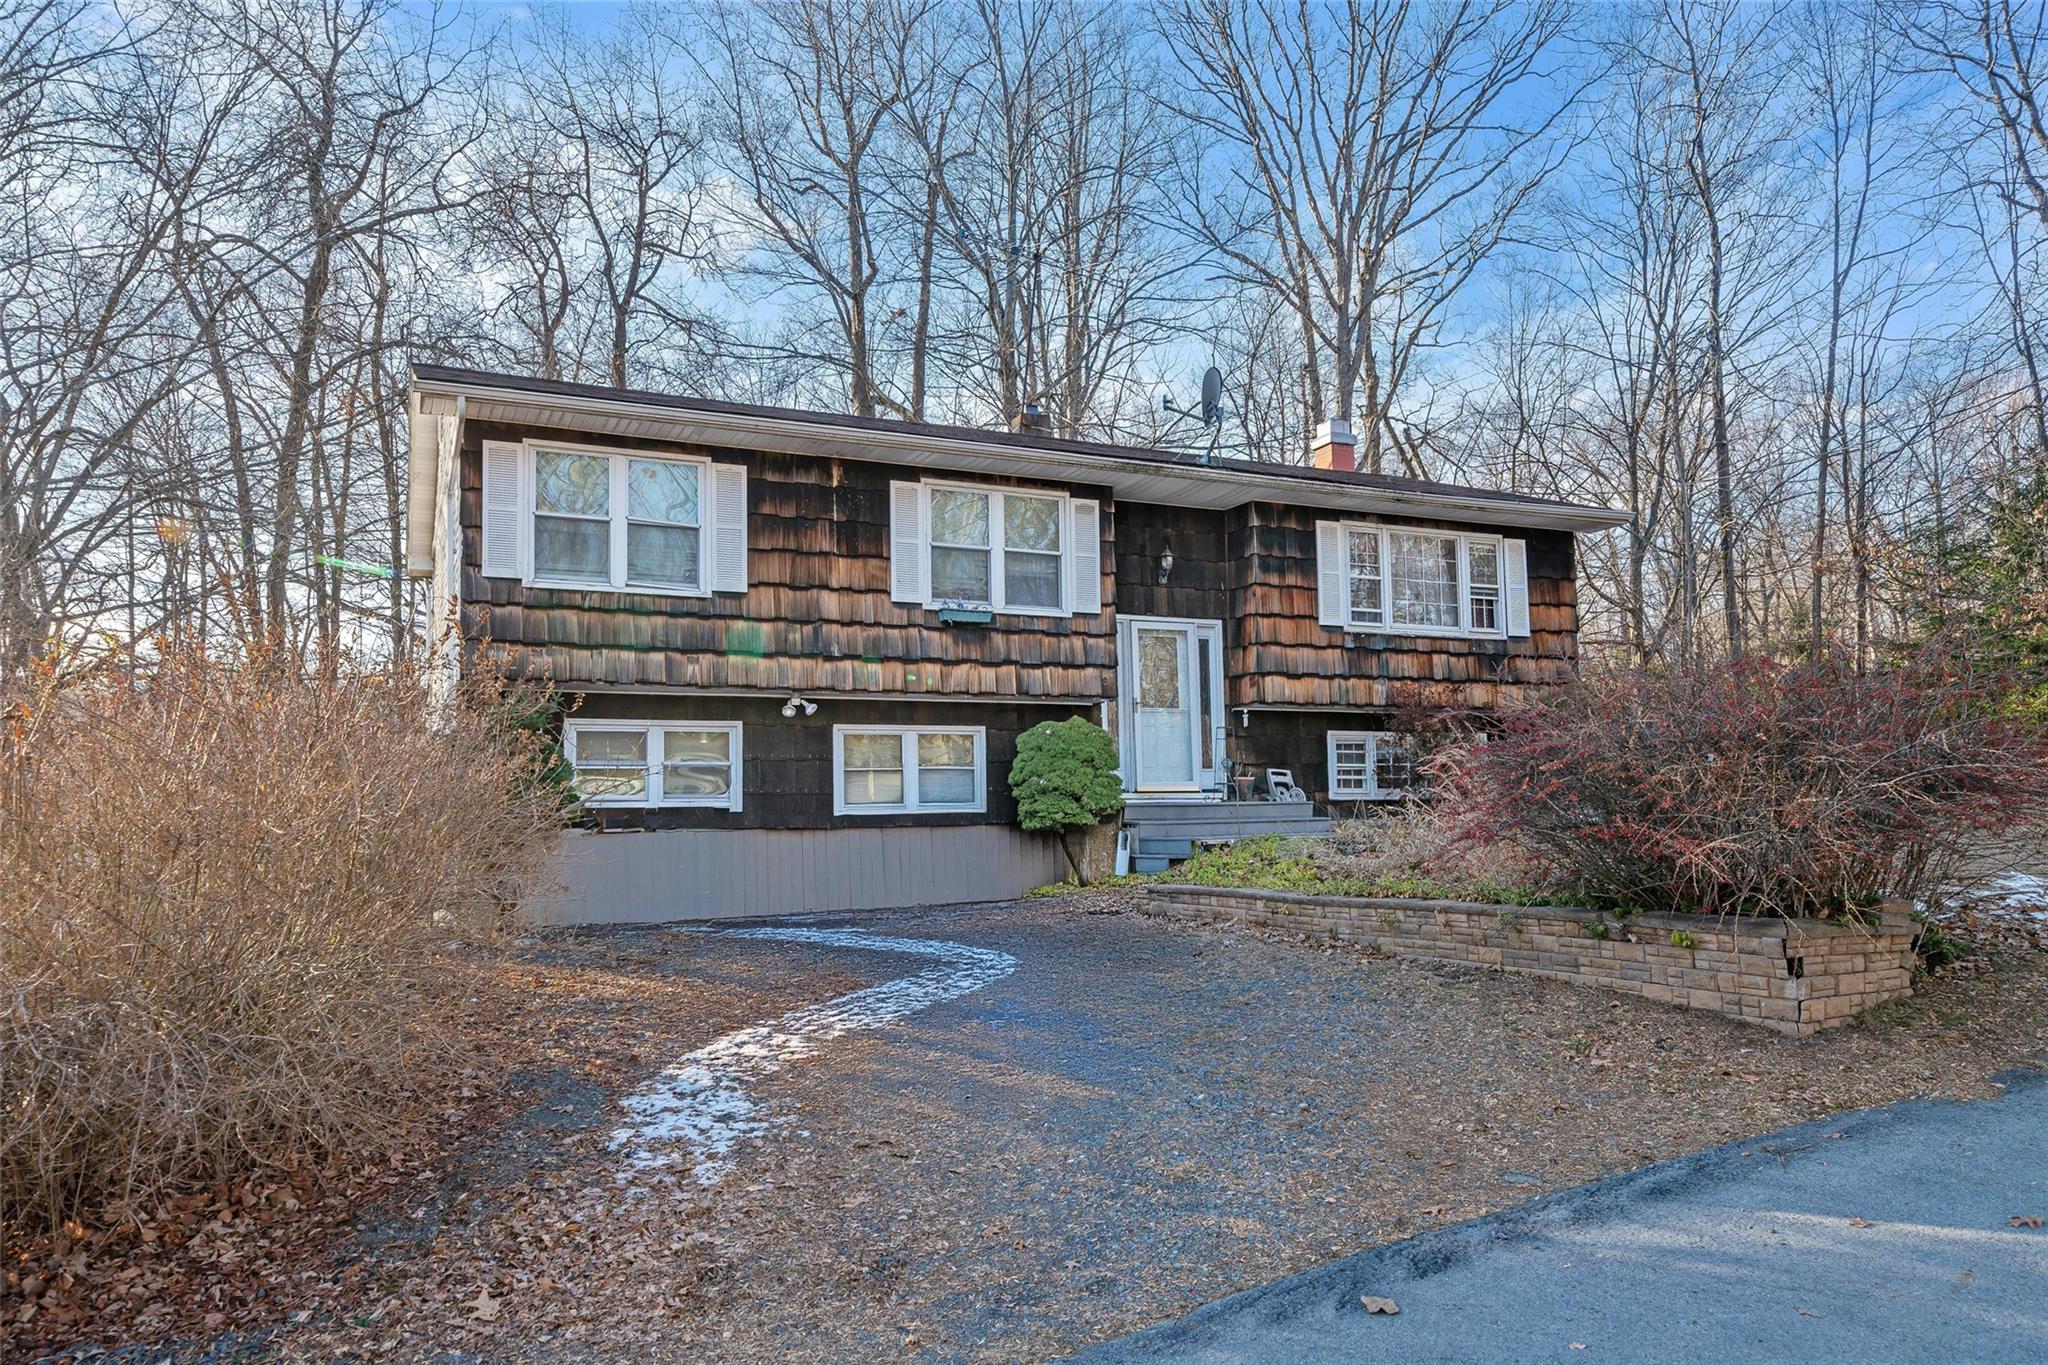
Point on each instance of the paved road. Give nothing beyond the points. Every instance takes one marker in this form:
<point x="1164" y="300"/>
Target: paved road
<point x="1745" y="1253"/>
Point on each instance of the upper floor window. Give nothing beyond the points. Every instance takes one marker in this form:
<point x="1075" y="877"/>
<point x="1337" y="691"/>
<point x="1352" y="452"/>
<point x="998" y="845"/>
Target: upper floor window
<point x="994" y="549"/>
<point x="566" y="516"/>
<point x="618" y="520"/>
<point x="1417" y="581"/>
<point x="655" y="763"/>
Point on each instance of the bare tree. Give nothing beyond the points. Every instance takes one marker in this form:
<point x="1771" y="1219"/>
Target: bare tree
<point x="345" y="141"/>
<point x="808" y="94"/>
<point x="1366" y="168"/>
<point x="596" y="200"/>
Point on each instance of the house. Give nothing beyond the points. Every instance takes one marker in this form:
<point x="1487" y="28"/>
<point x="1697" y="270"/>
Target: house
<point x="805" y="644"/>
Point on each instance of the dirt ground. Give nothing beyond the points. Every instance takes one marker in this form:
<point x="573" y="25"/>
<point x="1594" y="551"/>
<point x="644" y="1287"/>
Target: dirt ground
<point x="1137" y="1120"/>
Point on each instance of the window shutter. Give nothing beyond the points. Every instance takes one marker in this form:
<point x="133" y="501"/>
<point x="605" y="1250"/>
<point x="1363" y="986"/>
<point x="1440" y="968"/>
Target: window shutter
<point x="1084" y="562"/>
<point x="728" y="528"/>
<point x="1330" y="573"/>
<point x="505" y="530"/>
<point x="1514" y="559"/>
<point x="906" y="542"/>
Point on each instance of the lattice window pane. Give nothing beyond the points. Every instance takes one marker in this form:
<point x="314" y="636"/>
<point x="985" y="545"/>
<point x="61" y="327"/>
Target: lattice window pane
<point x="1365" y="579"/>
<point x="1423" y="579"/>
<point x="959" y="518"/>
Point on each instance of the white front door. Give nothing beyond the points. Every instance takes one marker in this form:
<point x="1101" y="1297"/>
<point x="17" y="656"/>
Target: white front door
<point x="1171" y="686"/>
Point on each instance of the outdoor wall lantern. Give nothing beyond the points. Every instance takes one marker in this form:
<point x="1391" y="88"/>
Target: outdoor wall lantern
<point x="789" y="708"/>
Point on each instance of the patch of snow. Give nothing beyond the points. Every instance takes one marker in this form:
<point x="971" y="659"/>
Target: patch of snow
<point x="2019" y="891"/>
<point x="698" y="1109"/>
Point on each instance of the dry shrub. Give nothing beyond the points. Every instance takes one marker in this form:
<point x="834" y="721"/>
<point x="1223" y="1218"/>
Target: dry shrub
<point x="226" y="890"/>
<point x="1420" y="843"/>
<point x="1758" y="787"/>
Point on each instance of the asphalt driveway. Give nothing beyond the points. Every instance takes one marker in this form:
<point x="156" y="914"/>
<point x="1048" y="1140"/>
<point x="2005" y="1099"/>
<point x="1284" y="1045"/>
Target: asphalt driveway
<point x="1020" y="1130"/>
<point x="1905" y="1233"/>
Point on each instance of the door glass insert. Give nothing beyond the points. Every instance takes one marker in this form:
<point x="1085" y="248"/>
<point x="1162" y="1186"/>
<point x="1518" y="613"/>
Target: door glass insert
<point x="1166" y="748"/>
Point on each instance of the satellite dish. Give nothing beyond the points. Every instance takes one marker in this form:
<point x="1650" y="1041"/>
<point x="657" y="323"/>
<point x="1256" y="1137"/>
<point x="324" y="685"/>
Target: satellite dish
<point x="1212" y="395"/>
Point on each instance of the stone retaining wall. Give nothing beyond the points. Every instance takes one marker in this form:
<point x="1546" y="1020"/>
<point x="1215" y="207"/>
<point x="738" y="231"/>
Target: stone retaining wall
<point x="1795" y="976"/>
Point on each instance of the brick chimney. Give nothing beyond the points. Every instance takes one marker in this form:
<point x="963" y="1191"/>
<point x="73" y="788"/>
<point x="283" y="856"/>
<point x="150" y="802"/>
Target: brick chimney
<point x="1334" y="446"/>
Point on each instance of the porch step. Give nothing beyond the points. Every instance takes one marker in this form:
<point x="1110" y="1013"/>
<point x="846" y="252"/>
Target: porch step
<point x="1190" y="829"/>
<point x="1217" y="812"/>
<point x="1166" y="832"/>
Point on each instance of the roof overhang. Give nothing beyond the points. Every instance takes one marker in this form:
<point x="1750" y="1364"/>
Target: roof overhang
<point x="1147" y="480"/>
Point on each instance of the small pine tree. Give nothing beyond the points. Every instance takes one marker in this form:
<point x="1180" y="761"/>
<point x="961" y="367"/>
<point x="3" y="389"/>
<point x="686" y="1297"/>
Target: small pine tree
<point x="1065" y="779"/>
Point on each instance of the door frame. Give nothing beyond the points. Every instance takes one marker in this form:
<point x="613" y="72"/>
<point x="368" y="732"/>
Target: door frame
<point x="1204" y="635"/>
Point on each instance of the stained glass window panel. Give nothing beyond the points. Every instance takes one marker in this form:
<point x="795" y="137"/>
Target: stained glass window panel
<point x="1031" y="523"/>
<point x="662" y="490"/>
<point x="1159" y="669"/>
<point x="573" y="485"/>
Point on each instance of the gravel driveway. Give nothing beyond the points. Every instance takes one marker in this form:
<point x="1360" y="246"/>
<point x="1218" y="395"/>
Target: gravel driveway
<point x="1135" y="1120"/>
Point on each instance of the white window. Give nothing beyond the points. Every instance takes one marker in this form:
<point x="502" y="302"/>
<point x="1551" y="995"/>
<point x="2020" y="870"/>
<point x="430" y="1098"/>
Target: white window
<point x="617" y="520"/>
<point x="891" y="769"/>
<point x="992" y="549"/>
<point x="655" y="763"/>
<point x="565" y="516"/>
<point x="1417" y="582"/>
<point x="1482" y="590"/>
<point x="1370" y="765"/>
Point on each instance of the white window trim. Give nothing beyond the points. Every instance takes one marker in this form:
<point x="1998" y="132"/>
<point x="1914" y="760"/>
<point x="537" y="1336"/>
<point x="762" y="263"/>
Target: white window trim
<point x="909" y="805"/>
<point x="997" y="584"/>
<point x="655" y="798"/>
<point x="1465" y="540"/>
<point x="618" y="517"/>
<point x="1371" y="790"/>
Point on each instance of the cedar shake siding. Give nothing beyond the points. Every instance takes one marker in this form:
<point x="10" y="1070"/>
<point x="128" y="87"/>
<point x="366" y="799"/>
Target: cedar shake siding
<point x="1254" y="569"/>
<point x="1278" y="654"/>
<point x="1197" y="587"/>
<point x="817" y="613"/>
<point x="786" y="763"/>
<point x="1299" y="742"/>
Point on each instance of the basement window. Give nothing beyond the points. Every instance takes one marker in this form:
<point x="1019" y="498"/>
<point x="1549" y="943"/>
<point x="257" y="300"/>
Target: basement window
<point x="1370" y="765"/>
<point x="897" y="769"/>
<point x="655" y="763"/>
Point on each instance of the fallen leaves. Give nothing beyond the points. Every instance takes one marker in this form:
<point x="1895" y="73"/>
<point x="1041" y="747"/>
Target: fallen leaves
<point x="484" y="1308"/>
<point x="1378" y="1306"/>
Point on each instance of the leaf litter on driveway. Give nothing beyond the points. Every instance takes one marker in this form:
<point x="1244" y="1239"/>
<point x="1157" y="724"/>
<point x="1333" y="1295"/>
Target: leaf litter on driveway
<point x="1026" y="1170"/>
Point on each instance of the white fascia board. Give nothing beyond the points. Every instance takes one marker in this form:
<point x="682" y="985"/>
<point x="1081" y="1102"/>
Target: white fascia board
<point x="1148" y="481"/>
<point x="422" y="456"/>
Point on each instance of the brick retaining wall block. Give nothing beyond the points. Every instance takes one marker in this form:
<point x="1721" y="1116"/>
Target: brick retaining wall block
<point x="1794" y="976"/>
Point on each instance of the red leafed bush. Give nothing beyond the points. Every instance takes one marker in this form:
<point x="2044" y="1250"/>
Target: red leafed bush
<point x="1756" y="787"/>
